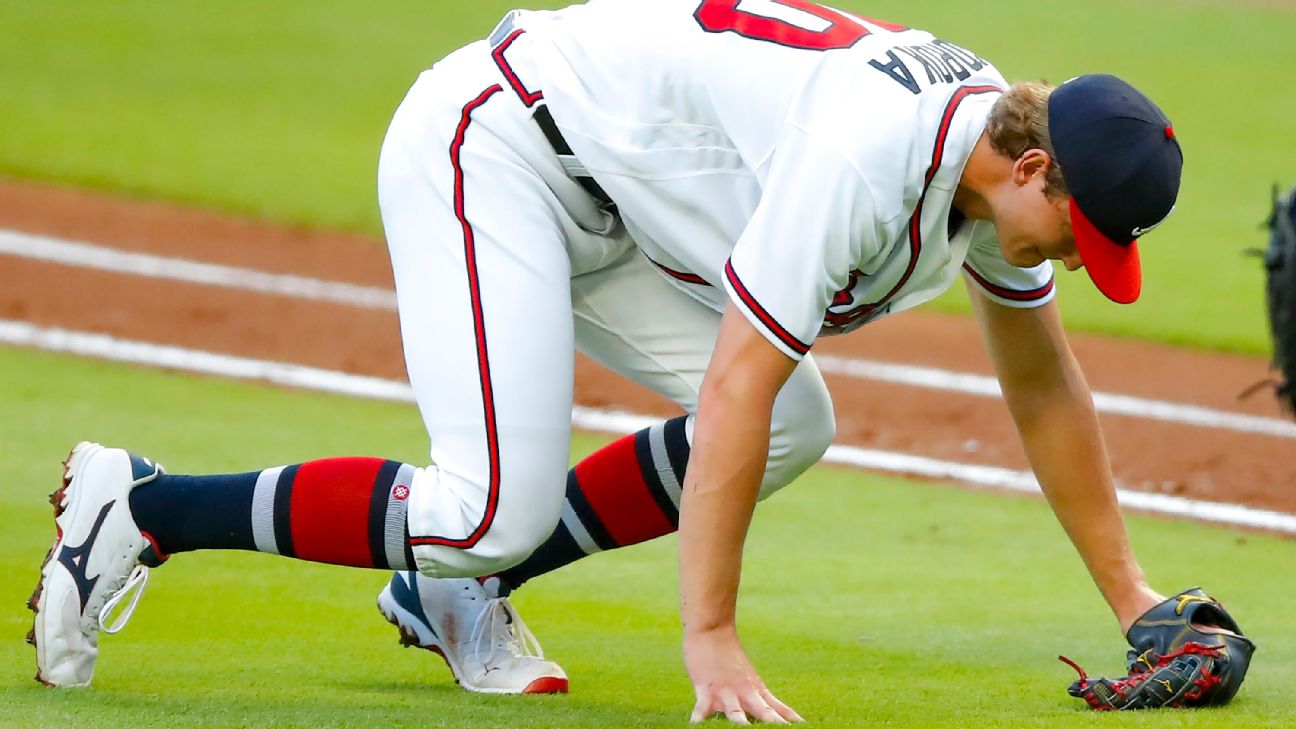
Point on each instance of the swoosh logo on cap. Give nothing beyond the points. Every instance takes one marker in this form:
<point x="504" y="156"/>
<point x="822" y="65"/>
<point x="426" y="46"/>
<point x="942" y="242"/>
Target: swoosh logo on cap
<point x="1142" y="231"/>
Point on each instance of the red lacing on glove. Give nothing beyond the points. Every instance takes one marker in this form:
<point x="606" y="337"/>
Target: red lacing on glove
<point x="1207" y="680"/>
<point x="1136" y="679"/>
<point x="1089" y="697"/>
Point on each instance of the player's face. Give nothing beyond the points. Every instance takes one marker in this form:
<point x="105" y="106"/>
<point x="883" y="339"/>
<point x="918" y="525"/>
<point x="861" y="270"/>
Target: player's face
<point x="1035" y="228"/>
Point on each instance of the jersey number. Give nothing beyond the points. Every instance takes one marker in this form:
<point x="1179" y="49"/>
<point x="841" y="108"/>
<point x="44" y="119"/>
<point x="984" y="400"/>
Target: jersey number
<point x="791" y="23"/>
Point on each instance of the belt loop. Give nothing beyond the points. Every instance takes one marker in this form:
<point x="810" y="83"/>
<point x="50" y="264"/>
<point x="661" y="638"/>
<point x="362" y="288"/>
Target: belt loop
<point x="544" y="120"/>
<point x="503" y="29"/>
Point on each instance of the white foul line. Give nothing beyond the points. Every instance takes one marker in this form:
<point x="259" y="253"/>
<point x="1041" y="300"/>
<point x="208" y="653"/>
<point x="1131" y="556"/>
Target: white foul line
<point x="87" y="255"/>
<point x="102" y="346"/>
<point x="1104" y="402"/>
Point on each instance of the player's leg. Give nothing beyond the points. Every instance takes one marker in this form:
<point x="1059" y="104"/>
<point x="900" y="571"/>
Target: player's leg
<point x="494" y="387"/>
<point x="118" y="514"/>
<point x="631" y="320"/>
<point x="482" y="277"/>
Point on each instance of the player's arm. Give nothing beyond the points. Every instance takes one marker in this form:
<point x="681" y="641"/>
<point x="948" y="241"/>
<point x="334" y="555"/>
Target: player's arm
<point x="1053" y="410"/>
<point x="730" y="444"/>
<point x="815" y="221"/>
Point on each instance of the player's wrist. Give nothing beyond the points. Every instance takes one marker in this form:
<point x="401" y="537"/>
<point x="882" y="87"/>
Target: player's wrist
<point x="717" y="629"/>
<point x="1122" y="583"/>
<point x="1133" y="603"/>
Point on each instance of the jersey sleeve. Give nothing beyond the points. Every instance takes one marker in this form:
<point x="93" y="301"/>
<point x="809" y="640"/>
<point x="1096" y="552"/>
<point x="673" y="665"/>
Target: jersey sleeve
<point x="1002" y="282"/>
<point x="814" y="223"/>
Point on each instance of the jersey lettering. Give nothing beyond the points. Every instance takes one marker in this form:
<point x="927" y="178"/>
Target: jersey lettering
<point x="898" y="72"/>
<point x="941" y="62"/>
<point x="791" y="23"/>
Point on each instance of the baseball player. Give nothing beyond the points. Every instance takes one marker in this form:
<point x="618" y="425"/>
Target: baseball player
<point x="690" y="192"/>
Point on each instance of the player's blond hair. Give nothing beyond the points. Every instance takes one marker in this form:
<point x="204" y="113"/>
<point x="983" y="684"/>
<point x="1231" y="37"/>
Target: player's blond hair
<point x="1019" y="122"/>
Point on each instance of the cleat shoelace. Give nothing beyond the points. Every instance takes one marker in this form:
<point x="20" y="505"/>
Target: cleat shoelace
<point x="502" y="628"/>
<point x="138" y="578"/>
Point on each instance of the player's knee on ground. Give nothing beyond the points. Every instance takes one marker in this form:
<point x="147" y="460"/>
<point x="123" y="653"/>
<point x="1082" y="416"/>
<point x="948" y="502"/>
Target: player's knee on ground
<point x="498" y="549"/>
<point x="524" y="517"/>
<point x="802" y="428"/>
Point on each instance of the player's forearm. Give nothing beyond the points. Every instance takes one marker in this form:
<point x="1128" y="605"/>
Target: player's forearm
<point x="1061" y="435"/>
<point x="730" y="445"/>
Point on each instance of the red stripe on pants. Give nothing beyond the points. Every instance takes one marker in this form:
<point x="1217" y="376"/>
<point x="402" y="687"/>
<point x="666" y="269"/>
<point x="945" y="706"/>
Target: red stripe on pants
<point x="329" y="514"/>
<point x="614" y="486"/>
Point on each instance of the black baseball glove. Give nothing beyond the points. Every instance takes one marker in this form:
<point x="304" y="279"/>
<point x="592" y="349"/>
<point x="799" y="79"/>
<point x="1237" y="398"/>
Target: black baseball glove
<point x="1280" y="289"/>
<point x="1187" y="651"/>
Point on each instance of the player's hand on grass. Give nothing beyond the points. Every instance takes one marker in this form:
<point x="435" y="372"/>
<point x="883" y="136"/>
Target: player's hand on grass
<point x="725" y="681"/>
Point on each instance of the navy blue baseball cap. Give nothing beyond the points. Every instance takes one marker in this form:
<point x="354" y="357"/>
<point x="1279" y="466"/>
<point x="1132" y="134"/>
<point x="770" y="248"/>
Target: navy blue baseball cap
<point x="1121" y="163"/>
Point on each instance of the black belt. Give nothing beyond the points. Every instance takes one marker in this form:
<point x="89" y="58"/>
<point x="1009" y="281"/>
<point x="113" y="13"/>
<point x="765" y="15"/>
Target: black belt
<point x="546" y="123"/>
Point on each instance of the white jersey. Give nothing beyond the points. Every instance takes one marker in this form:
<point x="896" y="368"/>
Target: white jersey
<point x="800" y="159"/>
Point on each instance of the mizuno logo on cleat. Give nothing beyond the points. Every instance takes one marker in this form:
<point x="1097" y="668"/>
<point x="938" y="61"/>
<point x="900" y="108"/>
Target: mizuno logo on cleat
<point x="404" y="589"/>
<point x="73" y="558"/>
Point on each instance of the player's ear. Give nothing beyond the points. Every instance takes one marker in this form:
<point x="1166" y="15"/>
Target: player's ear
<point x="1032" y="163"/>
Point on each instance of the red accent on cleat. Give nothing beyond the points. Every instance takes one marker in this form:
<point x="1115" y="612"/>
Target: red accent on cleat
<point x="408" y="639"/>
<point x="547" y="685"/>
<point x="157" y="551"/>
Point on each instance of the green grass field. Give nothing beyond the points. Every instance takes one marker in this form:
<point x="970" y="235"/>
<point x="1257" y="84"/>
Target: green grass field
<point x="276" y="109"/>
<point x="867" y="601"/>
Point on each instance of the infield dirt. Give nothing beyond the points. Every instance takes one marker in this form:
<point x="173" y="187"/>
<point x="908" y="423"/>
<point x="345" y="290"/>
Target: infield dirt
<point x="1147" y="455"/>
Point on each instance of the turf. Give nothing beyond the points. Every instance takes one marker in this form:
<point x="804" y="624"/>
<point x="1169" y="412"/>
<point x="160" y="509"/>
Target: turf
<point x="277" y="110"/>
<point x="866" y="601"/>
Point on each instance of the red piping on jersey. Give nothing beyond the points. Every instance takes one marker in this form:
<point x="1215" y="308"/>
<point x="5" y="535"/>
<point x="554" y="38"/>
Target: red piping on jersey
<point x="1007" y="293"/>
<point x="479" y="331"/>
<point x="784" y="336"/>
<point x="692" y="278"/>
<point x="529" y="98"/>
<point x="915" y="221"/>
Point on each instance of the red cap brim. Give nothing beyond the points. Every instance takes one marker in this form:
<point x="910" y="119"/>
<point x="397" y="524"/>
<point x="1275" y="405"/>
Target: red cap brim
<point x="1114" y="268"/>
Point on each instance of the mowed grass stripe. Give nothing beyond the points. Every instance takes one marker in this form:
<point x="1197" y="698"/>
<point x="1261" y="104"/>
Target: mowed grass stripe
<point x="332" y="382"/>
<point x="866" y="602"/>
<point x="105" y="258"/>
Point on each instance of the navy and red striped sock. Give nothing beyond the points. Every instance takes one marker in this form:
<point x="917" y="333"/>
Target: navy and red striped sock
<point x="625" y="493"/>
<point x="347" y="511"/>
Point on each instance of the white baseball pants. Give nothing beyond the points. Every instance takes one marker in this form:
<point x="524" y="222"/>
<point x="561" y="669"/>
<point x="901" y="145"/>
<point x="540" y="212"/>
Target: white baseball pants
<point x="503" y="267"/>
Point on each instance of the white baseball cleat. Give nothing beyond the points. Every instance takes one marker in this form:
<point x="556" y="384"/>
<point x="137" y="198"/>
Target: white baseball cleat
<point x="93" y="565"/>
<point x="482" y="638"/>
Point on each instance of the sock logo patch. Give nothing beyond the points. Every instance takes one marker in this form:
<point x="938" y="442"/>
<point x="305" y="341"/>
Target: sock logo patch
<point x="388" y="536"/>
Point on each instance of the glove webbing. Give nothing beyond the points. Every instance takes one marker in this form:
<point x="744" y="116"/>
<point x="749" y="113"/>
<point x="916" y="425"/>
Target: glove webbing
<point x="1125" y="686"/>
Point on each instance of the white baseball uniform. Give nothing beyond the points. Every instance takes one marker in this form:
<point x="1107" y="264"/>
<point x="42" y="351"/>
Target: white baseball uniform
<point x="796" y="160"/>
